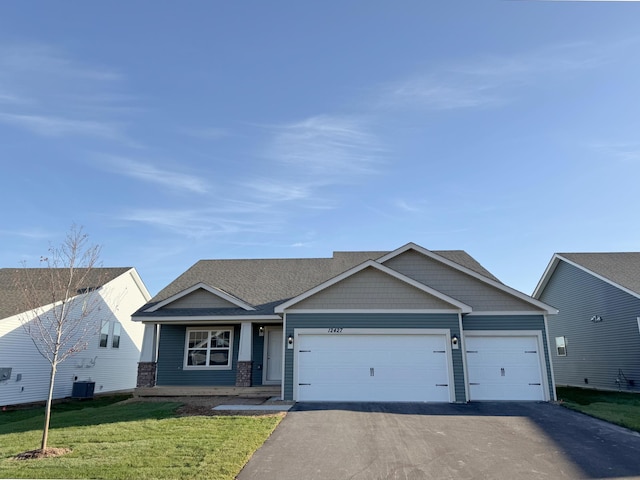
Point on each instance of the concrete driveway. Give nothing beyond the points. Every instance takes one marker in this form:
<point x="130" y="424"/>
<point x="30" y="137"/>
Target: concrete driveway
<point x="332" y="441"/>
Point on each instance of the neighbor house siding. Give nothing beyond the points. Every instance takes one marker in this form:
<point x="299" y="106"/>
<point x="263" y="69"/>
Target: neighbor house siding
<point x="378" y="320"/>
<point x="370" y="289"/>
<point x="597" y="352"/>
<point x="511" y="322"/>
<point x="112" y="369"/>
<point x="454" y="283"/>
<point x="171" y="360"/>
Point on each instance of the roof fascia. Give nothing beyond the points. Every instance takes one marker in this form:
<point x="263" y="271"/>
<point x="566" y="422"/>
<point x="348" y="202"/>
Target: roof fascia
<point x="546" y="276"/>
<point x="215" y="291"/>
<point x="140" y="284"/>
<point x="208" y="318"/>
<point x="594" y="274"/>
<point x="500" y="286"/>
<point x="372" y="263"/>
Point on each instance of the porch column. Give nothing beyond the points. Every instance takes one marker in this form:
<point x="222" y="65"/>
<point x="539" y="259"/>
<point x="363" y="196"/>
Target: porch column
<point x="148" y="356"/>
<point x="245" y="363"/>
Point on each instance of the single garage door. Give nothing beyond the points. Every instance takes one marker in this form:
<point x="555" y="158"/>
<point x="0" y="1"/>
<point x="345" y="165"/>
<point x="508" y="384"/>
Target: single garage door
<point x="504" y="368"/>
<point x="372" y="367"/>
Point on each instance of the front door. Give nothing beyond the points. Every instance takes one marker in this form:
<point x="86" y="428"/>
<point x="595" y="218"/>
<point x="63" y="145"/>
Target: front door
<point x="272" y="374"/>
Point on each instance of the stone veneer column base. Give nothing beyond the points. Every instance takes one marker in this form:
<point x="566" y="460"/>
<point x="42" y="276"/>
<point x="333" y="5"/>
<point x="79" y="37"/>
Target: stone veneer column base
<point x="243" y="373"/>
<point x="146" y="374"/>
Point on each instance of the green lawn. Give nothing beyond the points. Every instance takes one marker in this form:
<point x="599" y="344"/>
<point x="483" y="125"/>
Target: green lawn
<point x="132" y="440"/>
<point x="621" y="408"/>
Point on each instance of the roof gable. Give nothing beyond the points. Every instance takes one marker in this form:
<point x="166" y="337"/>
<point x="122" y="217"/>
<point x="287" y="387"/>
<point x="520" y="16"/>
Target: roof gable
<point x="620" y="269"/>
<point x="199" y="294"/>
<point x="482" y="292"/>
<point x="437" y="299"/>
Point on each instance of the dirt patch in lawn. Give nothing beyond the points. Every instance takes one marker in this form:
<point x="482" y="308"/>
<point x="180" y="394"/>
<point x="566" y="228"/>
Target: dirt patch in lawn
<point x="46" y="453"/>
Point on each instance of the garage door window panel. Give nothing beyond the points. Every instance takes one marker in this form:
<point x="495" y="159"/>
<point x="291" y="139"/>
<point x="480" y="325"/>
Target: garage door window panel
<point x="208" y="349"/>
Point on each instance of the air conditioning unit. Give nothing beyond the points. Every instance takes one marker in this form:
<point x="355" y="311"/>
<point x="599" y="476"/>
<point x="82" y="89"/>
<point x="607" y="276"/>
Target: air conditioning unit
<point x="83" y="390"/>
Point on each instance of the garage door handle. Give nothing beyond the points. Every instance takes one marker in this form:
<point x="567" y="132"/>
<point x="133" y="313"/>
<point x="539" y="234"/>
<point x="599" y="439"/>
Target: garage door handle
<point x="303" y="351"/>
<point x="530" y="351"/>
<point x="471" y="383"/>
<point x="535" y="384"/>
<point x="472" y="351"/>
<point x="304" y="384"/>
<point x="442" y="384"/>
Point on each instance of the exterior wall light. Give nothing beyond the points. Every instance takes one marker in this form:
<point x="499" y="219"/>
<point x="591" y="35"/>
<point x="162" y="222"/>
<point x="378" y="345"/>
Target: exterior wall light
<point x="290" y="342"/>
<point x="261" y="330"/>
<point x="454" y="342"/>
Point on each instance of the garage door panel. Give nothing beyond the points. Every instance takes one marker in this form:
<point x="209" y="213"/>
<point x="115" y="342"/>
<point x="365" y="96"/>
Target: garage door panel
<point x="389" y="367"/>
<point x="504" y="368"/>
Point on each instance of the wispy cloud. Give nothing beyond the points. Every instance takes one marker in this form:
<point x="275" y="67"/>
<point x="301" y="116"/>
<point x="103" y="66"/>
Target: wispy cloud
<point x="147" y="172"/>
<point x="50" y="126"/>
<point x="43" y="90"/>
<point x="38" y="59"/>
<point x="202" y="223"/>
<point x="310" y="156"/>
<point x="31" y="233"/>
<point x="330" y="147"/>
<point x="490" y="80"/>
<point x="624" y="152"/>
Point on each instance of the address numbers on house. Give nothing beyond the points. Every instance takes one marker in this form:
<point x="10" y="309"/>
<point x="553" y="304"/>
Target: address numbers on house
<point x="335" y="330"/>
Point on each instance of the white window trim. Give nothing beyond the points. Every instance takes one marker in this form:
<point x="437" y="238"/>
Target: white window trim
<point x="185" y="366"/>
<point x="564" y="346"/>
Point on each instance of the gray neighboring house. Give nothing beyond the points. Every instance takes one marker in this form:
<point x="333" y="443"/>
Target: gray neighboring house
<point x="596" y="334"/>
<point x="405" y="325"/>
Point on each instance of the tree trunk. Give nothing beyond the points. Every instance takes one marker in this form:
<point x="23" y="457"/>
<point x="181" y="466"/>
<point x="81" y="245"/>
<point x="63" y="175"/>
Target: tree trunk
<point x="47" y="413"/>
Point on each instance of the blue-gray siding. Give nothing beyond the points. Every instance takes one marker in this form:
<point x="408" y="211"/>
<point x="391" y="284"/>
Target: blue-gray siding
<point x="171" y="360"/>
<point x="374" y="320"/>
<point x="511" y="322"/>
<point x="596" y="351"/>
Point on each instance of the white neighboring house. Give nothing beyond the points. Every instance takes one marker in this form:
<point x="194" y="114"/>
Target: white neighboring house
<point x="112" y="355"/>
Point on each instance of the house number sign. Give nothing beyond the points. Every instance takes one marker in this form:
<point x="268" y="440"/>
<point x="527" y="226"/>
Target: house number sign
<point x="335" y="330"/>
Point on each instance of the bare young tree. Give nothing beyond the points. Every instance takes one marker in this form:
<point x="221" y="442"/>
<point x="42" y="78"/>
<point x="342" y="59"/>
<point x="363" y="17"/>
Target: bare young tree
<point x="60" y="303"/>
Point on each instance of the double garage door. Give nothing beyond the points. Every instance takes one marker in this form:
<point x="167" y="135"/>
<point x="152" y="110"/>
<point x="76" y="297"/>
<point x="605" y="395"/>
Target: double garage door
<point x="373" y="367"/>
<point x="410" y="366"/>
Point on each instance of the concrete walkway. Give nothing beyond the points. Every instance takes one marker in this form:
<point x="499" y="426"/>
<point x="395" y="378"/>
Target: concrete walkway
<point x="449" y="441"/>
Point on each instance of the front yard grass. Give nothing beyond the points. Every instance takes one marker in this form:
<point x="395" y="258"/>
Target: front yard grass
<point x="621" y="408"/>
<point x="132" y="440"/>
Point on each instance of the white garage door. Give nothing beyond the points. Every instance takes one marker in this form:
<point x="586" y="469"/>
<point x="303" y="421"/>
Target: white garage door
<point x="504" y="368"/>
<point x="372" y="367"/>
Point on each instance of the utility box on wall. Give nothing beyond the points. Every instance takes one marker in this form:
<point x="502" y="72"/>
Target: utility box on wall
<point x="5" y="373"/>
<point x="83" y="389"/>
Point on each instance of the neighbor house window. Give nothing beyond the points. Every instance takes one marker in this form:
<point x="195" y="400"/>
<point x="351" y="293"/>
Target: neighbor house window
<point x="561" y="346"/>
<point x="208" y="348"/>
<point x="115" y="341"/>
<point x="104" y="334"/>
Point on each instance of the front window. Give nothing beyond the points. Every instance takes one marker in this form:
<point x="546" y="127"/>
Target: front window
<point x="208" y="348"/>
<point x="561" y="346"/>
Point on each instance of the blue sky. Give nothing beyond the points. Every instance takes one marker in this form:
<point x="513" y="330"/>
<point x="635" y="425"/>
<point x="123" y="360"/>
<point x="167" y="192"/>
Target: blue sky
<point x="176" y="131"/>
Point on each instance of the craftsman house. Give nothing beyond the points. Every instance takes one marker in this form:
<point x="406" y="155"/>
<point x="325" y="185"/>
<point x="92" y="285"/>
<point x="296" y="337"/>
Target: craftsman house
<point x="406" y="325"/>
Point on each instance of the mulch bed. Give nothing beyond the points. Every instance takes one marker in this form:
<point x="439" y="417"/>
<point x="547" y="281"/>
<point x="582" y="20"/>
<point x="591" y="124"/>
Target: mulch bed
<point x="46" y="453"/>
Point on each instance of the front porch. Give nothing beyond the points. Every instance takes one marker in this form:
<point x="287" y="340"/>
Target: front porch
<point x="196" y="391"/>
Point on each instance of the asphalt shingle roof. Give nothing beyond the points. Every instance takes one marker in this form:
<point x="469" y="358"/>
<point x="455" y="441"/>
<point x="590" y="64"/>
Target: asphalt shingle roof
<point x="264" y="283"/>
<point x="622" y="268"/>
<point x="11" y="297"/>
